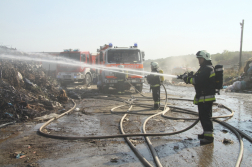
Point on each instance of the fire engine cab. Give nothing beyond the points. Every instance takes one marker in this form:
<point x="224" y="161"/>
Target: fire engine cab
<point x="109" y="56"/>
<point x="80" y="73"/>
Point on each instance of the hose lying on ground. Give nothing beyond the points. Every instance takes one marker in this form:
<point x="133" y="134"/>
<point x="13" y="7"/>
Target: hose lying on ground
<point x="131" y="135"/>
<point x="40" y="131"/>
<point x="139" y="156"/>
<point x="214" y="118"/>
<point x="9" y="123"/>
<point x="153" y="152"/>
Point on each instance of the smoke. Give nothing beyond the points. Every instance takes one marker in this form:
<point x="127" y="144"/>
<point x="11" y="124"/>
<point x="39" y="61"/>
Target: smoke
<point x="169" y="64"/>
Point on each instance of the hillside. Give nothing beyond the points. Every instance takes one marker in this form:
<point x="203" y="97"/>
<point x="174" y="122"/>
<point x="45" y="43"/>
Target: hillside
<point x="228" y="59"/>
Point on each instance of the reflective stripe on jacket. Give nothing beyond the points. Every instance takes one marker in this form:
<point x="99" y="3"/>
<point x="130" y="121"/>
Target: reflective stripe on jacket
<point x="155" y="85"/>
<point x="203" y="99"/>
<point x="204" y="84"/>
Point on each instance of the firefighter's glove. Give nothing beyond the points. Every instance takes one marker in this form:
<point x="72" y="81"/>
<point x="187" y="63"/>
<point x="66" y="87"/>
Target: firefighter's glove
<point x="188" y="80"/>
<point x="190" y="74"/>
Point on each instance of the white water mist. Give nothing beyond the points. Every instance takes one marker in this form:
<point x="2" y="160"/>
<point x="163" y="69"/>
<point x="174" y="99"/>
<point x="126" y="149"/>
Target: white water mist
<point x="40" y="57"/>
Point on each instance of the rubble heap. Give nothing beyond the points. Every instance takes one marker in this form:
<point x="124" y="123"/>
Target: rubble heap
<point x="26" y="91"/>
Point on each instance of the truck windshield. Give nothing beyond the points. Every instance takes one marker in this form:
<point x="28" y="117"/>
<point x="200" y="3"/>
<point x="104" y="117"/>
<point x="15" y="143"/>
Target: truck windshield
<point x="124" y="56"/>
<point x="69" y="55"/>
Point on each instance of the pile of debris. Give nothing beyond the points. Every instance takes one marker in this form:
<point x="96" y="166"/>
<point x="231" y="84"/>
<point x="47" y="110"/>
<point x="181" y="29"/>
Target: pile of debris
<point x="243" y="82"/>
<point x="26" y="91"/>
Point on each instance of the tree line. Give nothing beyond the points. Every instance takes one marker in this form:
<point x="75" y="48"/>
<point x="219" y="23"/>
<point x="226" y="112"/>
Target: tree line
<point x="227" y="58"/>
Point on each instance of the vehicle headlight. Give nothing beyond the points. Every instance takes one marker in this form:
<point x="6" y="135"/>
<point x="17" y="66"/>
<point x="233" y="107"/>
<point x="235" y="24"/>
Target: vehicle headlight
<point x="76" y="74"/>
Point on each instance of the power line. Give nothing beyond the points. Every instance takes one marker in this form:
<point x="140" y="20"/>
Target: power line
<point x="242" y="26"/>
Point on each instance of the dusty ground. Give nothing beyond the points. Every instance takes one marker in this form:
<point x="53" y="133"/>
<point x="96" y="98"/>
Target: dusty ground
<point x="94" y="118"/>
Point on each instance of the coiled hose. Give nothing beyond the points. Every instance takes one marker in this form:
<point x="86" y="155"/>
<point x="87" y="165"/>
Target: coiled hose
<point x="123" y="135"/>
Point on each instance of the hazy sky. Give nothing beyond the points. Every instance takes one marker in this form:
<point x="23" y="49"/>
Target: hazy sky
<point x="161" y="28"/>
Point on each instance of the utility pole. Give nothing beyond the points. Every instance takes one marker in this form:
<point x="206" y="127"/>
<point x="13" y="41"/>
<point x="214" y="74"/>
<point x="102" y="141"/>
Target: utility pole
<point x="242" y="26"/>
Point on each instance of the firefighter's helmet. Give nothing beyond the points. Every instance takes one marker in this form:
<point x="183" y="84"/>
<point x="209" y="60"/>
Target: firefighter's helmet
<point x="154" y="65"/>
<point x="121" y="66"/>
<point x="203" y="54"/>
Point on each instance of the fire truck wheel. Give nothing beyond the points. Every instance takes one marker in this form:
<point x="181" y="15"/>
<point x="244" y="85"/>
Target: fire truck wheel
<point x="139" y="88"/>
<point x="87" y="79"/>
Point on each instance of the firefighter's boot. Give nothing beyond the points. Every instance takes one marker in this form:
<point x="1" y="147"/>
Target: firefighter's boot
<point x="156" y="106"/>
<point x="208" y="138"/>
<point x="201" y="136"/>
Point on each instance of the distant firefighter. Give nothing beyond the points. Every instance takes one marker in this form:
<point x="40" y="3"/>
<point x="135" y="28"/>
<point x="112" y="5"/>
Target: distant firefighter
<point x="122" y="76"/>
<point x="155" y="81"/>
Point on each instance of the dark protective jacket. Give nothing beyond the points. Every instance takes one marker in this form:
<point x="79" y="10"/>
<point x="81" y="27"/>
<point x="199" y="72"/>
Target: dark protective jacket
<point x="204" y="83"/>
<point x="154" y="80"/>
<point x="121" y="76"/>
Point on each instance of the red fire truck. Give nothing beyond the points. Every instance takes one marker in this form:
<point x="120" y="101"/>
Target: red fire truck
<point x="68" y="74"/>
<point x="109" y="56"/>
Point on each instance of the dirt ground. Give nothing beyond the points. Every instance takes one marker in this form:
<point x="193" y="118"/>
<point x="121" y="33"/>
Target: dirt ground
<point x="92" y="117"/>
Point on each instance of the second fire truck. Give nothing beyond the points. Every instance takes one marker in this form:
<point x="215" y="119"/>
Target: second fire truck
<point x="80" y="73"/>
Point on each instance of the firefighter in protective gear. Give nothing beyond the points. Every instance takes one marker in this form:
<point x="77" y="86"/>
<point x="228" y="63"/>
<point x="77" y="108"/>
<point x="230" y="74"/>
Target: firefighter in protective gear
<point x="155" y="81"/>
<point x="204" y="84"/>
<point x="121" y="78"/>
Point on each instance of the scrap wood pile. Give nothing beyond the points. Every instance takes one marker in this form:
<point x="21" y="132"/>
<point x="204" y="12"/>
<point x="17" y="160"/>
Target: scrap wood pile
<point x="27" y="92"/>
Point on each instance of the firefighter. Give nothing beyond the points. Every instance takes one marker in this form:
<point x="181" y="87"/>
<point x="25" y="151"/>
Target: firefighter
<point x="155" y="81"/>
<point x="121" y="78"/>
<point x="248" y="72"/>
<point x="204" y="84"/>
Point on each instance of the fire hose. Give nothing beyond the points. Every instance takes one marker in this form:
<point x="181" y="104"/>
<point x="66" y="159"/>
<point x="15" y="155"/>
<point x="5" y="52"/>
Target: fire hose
<point x="162" y="113"/>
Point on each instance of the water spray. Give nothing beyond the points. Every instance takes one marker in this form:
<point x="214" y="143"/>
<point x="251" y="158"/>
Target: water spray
<point x="66" y="61"/>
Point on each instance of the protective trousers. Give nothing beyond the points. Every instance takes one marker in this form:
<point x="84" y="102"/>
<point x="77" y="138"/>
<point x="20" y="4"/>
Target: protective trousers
<point x="120" y="86"/>
<point x="156" y="96"/>
<point x="205" y="114"/>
